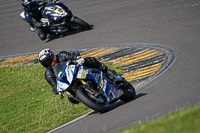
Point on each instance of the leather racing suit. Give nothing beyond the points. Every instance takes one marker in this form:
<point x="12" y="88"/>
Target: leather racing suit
<point x="33" y="17"/>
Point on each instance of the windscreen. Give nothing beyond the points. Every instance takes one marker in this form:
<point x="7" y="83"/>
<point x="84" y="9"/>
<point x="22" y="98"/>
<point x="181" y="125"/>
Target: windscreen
<point x="59" y="69"/>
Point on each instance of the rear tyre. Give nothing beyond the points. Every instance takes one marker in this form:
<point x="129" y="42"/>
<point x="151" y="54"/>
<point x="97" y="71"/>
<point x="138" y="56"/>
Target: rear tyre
<point x="129" y="92"/>
<point x="97" y="103"/>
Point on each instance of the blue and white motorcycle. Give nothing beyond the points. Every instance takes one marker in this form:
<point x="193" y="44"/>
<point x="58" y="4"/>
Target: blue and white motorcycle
<point x="59" y="18"/>
<point x="90" y="86"/>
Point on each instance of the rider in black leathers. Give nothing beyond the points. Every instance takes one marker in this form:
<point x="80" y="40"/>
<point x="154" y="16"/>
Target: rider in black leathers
<point x="32" y="14"/>
<point x="48" y="59"/>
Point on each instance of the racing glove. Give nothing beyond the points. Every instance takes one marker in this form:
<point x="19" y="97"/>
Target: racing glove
<point x="80" y="60"/>
<point x="55" y="1"/>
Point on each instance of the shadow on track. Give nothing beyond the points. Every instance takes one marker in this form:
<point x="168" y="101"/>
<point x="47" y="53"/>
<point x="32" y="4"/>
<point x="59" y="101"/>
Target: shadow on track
<point x="119" y="103"/>
<point x="53" y="36"/>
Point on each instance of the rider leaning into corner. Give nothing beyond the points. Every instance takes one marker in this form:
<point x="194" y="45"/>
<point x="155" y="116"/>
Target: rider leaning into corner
<point x="49" y="59"/>
<point x="32" y="14"/>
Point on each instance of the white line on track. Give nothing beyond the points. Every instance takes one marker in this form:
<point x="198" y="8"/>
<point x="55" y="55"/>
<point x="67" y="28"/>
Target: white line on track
<point x="69" y="122"/>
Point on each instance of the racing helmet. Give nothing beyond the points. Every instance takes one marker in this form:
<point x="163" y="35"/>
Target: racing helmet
<point x="47" y="58"/>
<point x="27" y="4"/>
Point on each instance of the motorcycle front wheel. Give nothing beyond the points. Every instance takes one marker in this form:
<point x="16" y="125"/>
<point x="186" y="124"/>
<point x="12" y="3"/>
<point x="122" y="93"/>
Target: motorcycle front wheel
<point x="97" y="103"/>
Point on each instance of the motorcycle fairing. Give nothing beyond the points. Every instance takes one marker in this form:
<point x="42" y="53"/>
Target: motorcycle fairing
<point x="62" y="85"/>
<point x="64" y="74"/>
<point x="55" y="12"/>
<point x="25" y="16"/>
<point x="110" y="91"/>
<point x="87" y="73"/>
<point x="70" y="72"/>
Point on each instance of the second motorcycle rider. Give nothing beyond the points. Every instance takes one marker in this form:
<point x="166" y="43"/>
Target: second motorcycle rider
<point x="32" y="15"/>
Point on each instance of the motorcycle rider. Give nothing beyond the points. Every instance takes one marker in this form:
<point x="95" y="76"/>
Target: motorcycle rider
<point x="32" y="14"/>
<point x="49" y="59"/>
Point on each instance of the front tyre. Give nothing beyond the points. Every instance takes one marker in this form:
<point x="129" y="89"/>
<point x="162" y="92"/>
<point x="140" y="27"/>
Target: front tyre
<point x="81" y="24"/>
<point x="97" y="103"/>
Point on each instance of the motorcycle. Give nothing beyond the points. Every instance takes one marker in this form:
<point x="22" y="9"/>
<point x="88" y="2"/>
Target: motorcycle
<point x="91" y="86"/>
<point x="60" y="19"/>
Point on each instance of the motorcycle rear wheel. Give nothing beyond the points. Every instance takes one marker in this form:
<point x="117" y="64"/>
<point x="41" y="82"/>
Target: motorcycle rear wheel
<point x="129" y="92"/>
<point x="98" y="104"/>
<point x="81" y="24"/>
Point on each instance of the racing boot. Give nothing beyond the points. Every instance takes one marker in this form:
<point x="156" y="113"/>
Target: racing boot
<point x="42" y="35"/>
<point x="110" y="73"/>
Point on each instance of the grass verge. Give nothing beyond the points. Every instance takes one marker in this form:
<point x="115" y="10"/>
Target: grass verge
<point x="27" y="103"/>
<point x="181" y="121"/>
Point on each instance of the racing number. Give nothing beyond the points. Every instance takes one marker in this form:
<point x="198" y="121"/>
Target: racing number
<point x="101" y="83"/>
<point x="84" y="74"/>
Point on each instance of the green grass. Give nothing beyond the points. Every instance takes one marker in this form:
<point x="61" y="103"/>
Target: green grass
<point x="27" y="103"/>
<point x="117" y="68"/>
<point x="182" y="121"/>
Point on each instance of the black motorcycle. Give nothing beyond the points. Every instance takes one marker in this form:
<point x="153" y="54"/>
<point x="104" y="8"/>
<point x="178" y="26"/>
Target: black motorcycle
<point x="59" y="18"/>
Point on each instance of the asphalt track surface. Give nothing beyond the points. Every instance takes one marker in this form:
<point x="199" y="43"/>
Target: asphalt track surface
<point x="174" y="24"/>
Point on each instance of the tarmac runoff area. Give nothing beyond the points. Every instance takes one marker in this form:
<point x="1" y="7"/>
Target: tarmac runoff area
<point x="141" y="62"/>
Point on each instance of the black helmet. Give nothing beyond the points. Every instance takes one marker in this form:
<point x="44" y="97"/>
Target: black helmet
<point x="27" y="4"/>
<point x="47" y="58"/>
